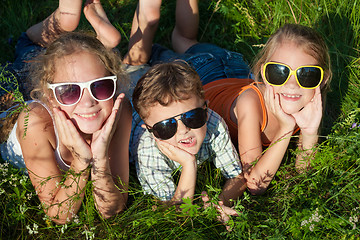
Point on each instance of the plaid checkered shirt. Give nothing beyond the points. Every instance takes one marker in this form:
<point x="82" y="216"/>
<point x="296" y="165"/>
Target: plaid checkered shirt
<point x="155" y="170"/>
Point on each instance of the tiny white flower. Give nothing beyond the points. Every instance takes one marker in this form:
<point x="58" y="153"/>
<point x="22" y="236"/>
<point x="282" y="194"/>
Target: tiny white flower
<point x="311" y="227"/>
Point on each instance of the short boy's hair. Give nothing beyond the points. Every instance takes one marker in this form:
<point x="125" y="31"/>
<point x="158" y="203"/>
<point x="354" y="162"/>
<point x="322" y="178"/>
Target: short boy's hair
<point x="165" y="83"/>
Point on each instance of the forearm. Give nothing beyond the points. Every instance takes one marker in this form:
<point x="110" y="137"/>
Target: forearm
<point x="187" y="182"/>
<point x="306" y="146"/>
<point x="108" y="197"/>
<point x="68" y="197"/>
<point x="232" y="190"/>
<point x="260" y="175"/>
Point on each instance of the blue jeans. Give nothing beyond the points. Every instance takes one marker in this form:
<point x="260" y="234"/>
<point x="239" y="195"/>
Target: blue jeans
<point x="16" y="73"/>
<point x="210" y="61"/>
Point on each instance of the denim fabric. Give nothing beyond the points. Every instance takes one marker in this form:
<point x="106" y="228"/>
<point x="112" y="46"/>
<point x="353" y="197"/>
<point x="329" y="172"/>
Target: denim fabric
<point x="16" y="73"/>
<point x="210" y="61"/>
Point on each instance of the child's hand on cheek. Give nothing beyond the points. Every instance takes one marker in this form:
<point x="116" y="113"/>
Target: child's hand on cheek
<point x="71" y="138"/>
<point x="309" y="118"/>
<point x="175" y="153"/>
<point x="272" y="99"/>
<point x="101" y="138"/>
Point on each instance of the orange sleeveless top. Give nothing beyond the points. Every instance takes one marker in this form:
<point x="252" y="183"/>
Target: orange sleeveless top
<point x="221" y="95"/>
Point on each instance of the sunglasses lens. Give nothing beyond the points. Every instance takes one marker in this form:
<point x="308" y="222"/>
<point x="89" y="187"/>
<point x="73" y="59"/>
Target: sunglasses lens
<point x="165" y="129"/>
<point x="309" y="77"/>
<point x="276" y="74"/>
<point x="68" y="94"/>
<point x="195" y="118"/>
<point x="103" y="89"/>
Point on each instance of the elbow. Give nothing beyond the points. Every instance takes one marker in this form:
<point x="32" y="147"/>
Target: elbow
<point x="254" y="186"/>
<point x="60" y="221"/>
<point x="109" y="212"/>
<point x="256" y="191"/>
<point x="59" y="218"/>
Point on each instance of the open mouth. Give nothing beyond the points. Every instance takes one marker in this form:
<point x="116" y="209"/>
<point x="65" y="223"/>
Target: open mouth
<point x="188" y="142"/>
<point x="87" y="115"/>
<point x="291" y="95"/>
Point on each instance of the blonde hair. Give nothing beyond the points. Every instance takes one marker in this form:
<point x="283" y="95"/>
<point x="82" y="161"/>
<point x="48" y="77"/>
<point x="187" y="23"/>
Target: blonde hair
<point x="43" y="67"/>
<point x="165" y="83"/>
<point x="304" y="37"/>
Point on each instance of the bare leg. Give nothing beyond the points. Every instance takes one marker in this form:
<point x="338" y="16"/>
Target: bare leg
<point x="65" y="18"/>
<point x="144" y="26"/>
<point x="185" y="31"/>
<point x="105" y="31"/>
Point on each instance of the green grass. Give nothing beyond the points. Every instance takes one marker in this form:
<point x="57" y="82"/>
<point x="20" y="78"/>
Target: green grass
<point x="322" y="203"/>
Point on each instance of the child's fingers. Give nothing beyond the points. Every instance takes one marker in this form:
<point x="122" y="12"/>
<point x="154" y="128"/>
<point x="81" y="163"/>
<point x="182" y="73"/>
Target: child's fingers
<point x="270" y="98"/>
<point x="317" y="97"/>
<point x="227" y="210"/>
<point x="114" y="116"/>
<point x="205" y="197"/>
<point x="118" y="101"/>
<point x="60" y="123"/>
<point x="166" y="148"/>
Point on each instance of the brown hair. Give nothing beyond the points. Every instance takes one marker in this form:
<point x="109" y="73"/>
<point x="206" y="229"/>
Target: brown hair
<point x="165" y="83"/>
<point x="304" y="37"/>
<point x="42" y="68"/>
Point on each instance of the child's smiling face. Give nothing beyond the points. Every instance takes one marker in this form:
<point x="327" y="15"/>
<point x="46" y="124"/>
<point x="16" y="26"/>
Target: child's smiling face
<point x="292" y="97"/>
<point x="185" y="138"/>
<point x="88" y="114"/>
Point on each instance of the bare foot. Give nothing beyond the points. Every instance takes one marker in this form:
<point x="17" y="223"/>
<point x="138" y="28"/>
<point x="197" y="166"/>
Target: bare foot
<point x="68" y="14"/>
<point x="105" y="31"/>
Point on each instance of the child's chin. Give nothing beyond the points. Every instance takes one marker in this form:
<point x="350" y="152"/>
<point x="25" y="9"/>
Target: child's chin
<point x="192" y="150"/>
<point x="88" y="130"/>
<point x="291" y="111"/>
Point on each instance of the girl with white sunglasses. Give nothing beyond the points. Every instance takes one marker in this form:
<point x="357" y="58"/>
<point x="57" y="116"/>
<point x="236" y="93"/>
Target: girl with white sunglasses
<point x="78" y="128"/>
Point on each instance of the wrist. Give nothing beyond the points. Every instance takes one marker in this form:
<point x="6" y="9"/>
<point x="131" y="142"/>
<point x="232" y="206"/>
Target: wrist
<point x="80" y="165"/>
<point x="307" y="141"/>
<point x="190" y="164"/>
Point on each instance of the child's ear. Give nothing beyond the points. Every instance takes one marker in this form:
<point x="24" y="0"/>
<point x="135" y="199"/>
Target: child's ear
<point x="207" y="104"/>
<point x="262" y="72"/>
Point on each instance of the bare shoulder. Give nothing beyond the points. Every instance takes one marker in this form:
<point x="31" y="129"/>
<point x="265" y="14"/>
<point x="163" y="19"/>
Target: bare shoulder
<point x="34" y="122"/>
<point x="248" y="104"/>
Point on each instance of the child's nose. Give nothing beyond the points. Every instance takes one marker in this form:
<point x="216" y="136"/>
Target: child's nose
<point x="182" y="128"/>
<point x="86" y="98"/>
<point x="292" y="83"/>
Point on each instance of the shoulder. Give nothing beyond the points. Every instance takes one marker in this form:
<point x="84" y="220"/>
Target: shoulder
<point x="217" y="130"/>
<point x="249" y="104"/>
<point x="34" y="117"/>
<point x="35" y="123"/>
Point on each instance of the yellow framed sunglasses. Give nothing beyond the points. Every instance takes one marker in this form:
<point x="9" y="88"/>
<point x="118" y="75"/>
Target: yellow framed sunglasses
<point x="308" y="76"/>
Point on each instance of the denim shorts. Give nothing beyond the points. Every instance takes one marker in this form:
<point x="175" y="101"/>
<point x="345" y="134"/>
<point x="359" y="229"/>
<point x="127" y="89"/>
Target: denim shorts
<point x="210" y="61"/>
<point x="16" y="73"/>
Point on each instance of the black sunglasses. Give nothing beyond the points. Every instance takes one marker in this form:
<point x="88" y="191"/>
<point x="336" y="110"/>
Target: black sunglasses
<point x="308" y="77"/>
<point x="166" y="129"/>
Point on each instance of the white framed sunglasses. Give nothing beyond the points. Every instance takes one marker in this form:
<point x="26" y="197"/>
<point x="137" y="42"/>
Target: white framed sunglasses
<point x="68" y="94"/>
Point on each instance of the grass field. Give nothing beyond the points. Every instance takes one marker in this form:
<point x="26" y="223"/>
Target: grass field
<point x="323" y="203"/>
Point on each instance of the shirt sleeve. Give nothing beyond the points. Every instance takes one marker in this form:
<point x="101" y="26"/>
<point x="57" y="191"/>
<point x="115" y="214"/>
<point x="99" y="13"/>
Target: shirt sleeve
<point x="225" y="157"/>
<point x="153" y="169"/>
